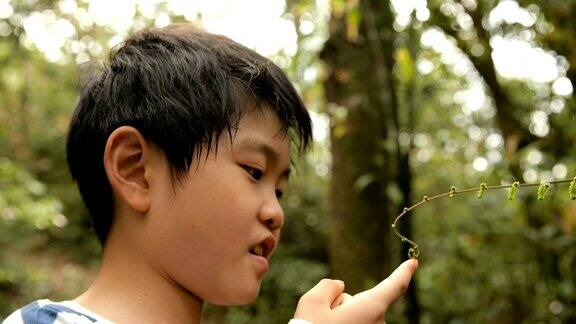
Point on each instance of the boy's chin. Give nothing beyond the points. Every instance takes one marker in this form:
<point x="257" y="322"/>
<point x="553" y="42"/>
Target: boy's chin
<point x="237" y="298"/>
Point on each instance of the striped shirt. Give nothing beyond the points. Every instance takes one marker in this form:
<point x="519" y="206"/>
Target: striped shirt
<point x="45" y="311"/>
<point x="48" y="312"/>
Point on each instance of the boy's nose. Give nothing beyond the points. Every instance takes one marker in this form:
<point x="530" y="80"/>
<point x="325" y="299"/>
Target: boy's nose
<point x="271" y="214"/>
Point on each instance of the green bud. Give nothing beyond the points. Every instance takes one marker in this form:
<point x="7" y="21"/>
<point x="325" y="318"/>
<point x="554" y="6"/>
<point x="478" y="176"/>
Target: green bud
<point x="413" y="252"/>
<point x="482" y="190"/>
<point x="572" y="189"/>
<point x="543" y="190"/>
<point x="513" y="190"/>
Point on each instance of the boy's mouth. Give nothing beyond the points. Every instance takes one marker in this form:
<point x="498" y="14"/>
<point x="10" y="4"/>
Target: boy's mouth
<point x="257" y="250"/>
<point x="264" y="248"/>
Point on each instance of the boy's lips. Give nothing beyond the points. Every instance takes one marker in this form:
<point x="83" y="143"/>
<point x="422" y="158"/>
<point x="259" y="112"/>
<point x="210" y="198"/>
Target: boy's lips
<point x="265" y="247"/>
<point x="260" y="263"/>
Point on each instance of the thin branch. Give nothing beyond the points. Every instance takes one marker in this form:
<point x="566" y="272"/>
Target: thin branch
<point x="414" y="251"/>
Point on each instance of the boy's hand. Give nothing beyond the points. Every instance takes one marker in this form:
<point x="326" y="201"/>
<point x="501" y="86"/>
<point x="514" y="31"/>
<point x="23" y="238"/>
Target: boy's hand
<point x="327" y="302"/>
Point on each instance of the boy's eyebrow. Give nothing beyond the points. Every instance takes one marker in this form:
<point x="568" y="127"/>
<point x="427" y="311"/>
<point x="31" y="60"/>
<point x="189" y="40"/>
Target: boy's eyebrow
<point x="271" y="154"/>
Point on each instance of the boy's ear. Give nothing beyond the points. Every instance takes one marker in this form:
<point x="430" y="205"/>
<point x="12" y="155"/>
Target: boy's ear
<point x="126" y="158"/>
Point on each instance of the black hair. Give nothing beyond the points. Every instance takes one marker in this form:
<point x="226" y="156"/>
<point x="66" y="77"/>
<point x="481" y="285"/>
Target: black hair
<point x="181" y="87"/>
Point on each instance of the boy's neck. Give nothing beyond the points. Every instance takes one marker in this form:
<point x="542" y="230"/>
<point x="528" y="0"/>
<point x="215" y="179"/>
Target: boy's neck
<point x="126" y="290"/>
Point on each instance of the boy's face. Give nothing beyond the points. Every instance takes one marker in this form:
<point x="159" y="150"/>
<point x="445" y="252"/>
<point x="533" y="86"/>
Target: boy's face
<point x="203" y="236"/>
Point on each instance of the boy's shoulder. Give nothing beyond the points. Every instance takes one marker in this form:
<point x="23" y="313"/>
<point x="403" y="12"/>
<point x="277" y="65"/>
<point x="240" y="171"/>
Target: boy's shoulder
<point x="48" y="312"/>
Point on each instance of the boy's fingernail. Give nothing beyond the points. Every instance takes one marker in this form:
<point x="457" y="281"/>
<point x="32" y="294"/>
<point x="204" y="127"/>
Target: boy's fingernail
<point x="339" y="282"/>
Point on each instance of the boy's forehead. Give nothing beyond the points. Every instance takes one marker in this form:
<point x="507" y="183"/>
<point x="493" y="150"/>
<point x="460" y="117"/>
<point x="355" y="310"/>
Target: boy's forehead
<point x="258" y="126"/>
<point x="250" y="143"/>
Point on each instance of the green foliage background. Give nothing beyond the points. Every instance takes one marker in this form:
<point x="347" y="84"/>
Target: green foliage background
<point x="482" y="260"/>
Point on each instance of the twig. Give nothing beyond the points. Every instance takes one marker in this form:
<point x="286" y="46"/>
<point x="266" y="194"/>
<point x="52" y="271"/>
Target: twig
<point x="543" y="188"/>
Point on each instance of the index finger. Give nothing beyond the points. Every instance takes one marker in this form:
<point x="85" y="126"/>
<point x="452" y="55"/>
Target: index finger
<point x="396" y="284"/>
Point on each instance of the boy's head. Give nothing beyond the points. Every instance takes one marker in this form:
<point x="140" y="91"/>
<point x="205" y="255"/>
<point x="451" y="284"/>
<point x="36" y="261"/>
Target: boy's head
<point x="182" y="144"/>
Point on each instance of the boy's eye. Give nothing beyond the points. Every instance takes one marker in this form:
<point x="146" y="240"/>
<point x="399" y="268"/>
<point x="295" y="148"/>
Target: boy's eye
<point x="254" y="173"/>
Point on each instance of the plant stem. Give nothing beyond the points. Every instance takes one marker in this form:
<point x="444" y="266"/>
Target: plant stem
<point x="414" y="251"/>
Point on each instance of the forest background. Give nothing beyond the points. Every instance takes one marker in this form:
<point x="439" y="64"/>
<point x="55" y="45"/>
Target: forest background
<point x="408" y="97"/>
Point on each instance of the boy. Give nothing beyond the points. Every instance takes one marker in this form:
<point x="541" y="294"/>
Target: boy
<point x="181" y="150"/>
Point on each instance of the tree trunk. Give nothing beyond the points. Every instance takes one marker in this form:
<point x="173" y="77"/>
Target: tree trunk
<point x="359" y="102"/>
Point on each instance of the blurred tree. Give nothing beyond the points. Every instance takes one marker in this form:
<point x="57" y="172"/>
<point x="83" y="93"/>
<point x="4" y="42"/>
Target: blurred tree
<point x="363" y="105"/>
<point x="359" y="99"/>
<point x="370" y="181"/>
